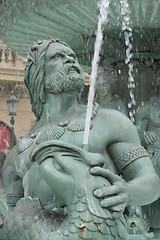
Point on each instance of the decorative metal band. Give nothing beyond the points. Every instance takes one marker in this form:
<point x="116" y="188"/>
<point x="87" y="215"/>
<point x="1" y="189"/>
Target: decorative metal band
<point x="130" y="156"/>
<point x="13" y="199"/>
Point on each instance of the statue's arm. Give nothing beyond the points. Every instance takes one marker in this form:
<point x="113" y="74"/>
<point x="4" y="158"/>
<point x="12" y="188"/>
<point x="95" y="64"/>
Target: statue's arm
<point x="134" y="164"/>
<point x="141" y="184"/>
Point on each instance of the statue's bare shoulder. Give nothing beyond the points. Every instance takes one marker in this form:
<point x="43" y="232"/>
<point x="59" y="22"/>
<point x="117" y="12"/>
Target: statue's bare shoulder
<point x="121" y="127"/>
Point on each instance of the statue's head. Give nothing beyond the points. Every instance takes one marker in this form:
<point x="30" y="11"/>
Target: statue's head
<point x="52" y="67"/>
<point x="105" y="79"/>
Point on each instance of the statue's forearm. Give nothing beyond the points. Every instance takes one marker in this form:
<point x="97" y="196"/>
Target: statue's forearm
<point x="143" y="190"/>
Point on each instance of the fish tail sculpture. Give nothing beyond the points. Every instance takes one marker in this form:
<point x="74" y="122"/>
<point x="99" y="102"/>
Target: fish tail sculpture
<point x="84" y="218"/>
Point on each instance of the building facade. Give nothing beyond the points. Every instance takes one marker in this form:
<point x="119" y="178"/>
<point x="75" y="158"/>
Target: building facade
<point x="11" y="78"/>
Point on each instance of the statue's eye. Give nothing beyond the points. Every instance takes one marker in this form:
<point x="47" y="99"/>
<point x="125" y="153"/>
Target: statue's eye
<point x="59" y="56"/>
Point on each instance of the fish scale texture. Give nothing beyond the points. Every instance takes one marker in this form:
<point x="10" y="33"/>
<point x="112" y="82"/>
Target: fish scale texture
<point x="29" y="221"/>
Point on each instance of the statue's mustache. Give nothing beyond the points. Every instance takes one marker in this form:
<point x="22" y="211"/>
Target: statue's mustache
<point x="72" y="67"/>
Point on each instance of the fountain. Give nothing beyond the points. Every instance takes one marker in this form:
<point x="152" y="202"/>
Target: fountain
<point x="74" y="22"/>
<point x="103" y="18"/>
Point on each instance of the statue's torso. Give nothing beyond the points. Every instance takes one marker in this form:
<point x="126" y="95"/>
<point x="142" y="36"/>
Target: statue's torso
<point x="102" y="133"/>
<point x="105" y="130"/>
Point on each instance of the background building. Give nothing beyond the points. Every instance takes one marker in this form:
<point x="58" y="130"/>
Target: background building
<point x="11" y="78"/>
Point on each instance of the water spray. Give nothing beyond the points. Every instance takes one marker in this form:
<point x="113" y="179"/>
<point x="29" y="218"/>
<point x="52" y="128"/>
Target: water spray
<point x="103" y="19"/>
<point x="125" y="12"/>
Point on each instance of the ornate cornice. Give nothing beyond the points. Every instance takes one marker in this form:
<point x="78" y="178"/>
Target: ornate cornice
<point x="11" y="72"/>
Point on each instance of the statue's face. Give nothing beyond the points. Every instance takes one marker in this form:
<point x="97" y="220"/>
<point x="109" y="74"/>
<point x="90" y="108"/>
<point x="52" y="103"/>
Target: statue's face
<point x="103" y="85"/>
<point x="62" y="70"/>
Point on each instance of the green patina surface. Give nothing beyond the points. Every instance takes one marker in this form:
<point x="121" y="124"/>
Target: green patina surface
<point x="75" y="22"/>
<point x="55" y="189"/>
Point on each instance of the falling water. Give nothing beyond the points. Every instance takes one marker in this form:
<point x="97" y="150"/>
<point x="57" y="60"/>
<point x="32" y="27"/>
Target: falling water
<point x="125" y="12"/>
<point x="103" y="7"/>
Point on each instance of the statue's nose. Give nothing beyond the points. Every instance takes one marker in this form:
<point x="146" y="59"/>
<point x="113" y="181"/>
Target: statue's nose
<point x="69" y="59"/>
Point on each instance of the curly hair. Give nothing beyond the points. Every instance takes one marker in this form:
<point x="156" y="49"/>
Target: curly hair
<point x="35" y="73"/>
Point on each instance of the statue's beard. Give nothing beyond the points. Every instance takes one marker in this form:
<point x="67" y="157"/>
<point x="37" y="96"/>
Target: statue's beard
<point x="69" y="78"/>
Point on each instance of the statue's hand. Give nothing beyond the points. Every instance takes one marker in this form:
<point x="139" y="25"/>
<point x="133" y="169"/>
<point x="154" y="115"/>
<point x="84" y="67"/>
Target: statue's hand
<point x="150" y="137"/>
<point x="115" y="197"/>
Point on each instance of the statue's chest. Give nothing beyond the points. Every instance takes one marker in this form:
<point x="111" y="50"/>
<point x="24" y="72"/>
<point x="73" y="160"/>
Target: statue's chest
<point x="73" y="132"/>
<point x="96" y="141"/>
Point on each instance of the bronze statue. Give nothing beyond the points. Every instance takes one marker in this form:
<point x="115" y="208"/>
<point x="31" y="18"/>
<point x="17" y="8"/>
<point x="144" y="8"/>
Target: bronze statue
<point x="147" y="119"/>
<point x="58" y="190"/>
<point x="148" y="125"/>
<point x="106" y="78"/>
